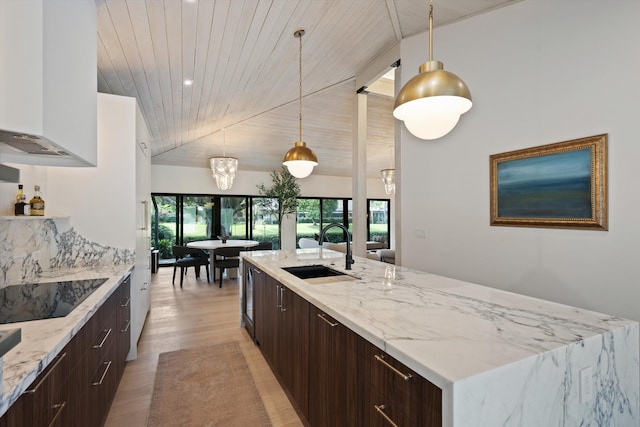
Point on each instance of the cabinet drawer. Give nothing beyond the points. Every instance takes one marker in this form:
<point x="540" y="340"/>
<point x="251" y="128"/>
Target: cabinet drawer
<point x="392" y="379"/>
<point x="380" y="411"/>
<point x="44" y="398"/>
<point x="102" y="340"/>
<point x="102" y="388"/>
<point x="15" y="415"/>
<point x="123" y="306"/>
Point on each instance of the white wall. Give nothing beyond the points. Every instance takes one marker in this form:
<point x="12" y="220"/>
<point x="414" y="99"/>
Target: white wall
<point x="177" y="179"/>
<point x="539" y="72"/>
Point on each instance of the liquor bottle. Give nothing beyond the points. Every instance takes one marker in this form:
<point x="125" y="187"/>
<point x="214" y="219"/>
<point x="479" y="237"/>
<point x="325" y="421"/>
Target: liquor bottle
<point x="37" y="204"/>
<point x="21" y="202"/>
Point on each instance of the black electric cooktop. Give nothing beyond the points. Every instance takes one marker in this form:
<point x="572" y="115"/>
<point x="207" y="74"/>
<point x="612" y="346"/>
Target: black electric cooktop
<point x="20" y="303"/>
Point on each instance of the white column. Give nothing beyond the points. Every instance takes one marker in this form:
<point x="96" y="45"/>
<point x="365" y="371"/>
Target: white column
<point x="359" y="183"/>
<point x="397" y="209"/>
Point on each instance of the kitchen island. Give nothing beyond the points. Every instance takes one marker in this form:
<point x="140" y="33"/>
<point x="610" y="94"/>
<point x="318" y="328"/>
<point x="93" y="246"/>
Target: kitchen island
<point x="43" y="340"/>
<point x="499" y="358"/>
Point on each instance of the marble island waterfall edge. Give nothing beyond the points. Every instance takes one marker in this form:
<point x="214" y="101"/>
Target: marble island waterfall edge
<point x="501" y="359"/>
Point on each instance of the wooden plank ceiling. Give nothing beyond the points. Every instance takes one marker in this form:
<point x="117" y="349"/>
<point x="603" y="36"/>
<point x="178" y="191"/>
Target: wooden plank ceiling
<point x="243" y="60"/>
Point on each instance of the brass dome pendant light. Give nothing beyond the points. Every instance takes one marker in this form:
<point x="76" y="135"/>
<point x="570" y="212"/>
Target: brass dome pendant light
<point x="430" y="104"/>
<point x="300" y="160"/>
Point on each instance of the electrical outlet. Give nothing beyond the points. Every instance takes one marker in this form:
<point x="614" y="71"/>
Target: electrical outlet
<point x="421" y="233"/>
<point x="586" y="384"/>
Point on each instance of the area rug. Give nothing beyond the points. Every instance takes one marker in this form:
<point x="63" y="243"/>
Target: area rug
<point x="205" y="386"/>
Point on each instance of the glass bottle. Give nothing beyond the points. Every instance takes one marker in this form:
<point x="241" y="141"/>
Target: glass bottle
<point x="37" y="203"/>
<point x="21" y="199"/>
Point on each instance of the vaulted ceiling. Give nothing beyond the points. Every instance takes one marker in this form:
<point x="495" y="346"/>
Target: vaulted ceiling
<point x="243" y="60"/>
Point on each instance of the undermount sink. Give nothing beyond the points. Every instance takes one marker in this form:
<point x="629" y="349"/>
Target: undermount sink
<point x="315" y="271"/>
<point x="8" y="340"/>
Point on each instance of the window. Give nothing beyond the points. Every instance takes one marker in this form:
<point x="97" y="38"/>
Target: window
<point x="197" y="218"/>
<point x="308" y="218"/>
<point x="177" y="219"/>
<point x="164" y="224"/>
<point x="316" y="213"/>
<point x="233" y="217"/>
<point x="181" y="218"/>
<point x="379" y="221"/>
<point x="264" y="224"/>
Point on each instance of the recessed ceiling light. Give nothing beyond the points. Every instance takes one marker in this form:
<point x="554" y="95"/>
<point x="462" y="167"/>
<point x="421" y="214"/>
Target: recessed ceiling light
<point x="188" y="82"/>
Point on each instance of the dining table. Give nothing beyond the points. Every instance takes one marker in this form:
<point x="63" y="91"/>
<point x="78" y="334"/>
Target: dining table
<point x="212" y="245"/>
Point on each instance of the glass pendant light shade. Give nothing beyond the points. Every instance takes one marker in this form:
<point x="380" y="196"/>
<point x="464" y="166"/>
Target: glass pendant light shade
<point x="224" y="170"/>
<point x="300" y="160"/>
<point x="389" y="180"/>
<point x="430" y="104"/>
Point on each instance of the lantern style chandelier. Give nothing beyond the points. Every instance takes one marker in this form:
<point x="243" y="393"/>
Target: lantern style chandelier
<point x="224" y="168"/>
<point x="300" y="160"/>
<point x="389" y="176"/>
<point x="430" y="104"/>
<point x="389" y="179"/>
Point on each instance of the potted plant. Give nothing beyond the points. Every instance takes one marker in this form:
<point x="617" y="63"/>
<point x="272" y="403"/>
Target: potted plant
<point x="281" y="199"/>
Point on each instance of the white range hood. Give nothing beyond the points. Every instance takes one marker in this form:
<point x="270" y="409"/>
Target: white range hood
<point x="48" y="82"/>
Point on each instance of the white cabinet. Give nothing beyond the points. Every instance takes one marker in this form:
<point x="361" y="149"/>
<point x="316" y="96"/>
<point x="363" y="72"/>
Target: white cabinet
<point x="105" y="202"/>
<point x="141" y="286"/>
<point x="48" y="82"/>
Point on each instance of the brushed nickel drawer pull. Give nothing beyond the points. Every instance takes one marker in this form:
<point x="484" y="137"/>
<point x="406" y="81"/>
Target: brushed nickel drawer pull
<point x="108" y="332"/>
<point x="58" y="407"/>
<point x="332" y="324"/>
<point x="380" y="359"/>
<point x="278" y="295"/>
<point x="104" y="374"/>
<point x="127" y="301"/>
<point x="37" y="386"/>
<point x="126" y="328"/>
<point x="380" y="410"/>
<point x="282" y="307"/>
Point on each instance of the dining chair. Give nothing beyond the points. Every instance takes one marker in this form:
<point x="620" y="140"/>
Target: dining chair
<point x="226" y="258"/>
<point x="189" y="257"/>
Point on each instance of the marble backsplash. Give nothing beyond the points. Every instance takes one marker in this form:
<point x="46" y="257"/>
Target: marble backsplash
<point x="34" y="246"/>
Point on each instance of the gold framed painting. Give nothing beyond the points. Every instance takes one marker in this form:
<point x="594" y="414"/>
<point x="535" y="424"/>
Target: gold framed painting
<point x="560" y="185"/>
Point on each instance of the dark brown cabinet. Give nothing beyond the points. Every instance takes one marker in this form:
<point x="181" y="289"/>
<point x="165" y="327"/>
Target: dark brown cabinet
<point x="77" y="387"/>
<point x="266" y="316"/>
<point x="293" y="345"/>
<point x="393" y="393"/>
<point x="333" y="375"/>
<point x="45" y="398"/>
<point x="334" y="393"/>
<point x="282" y="331"/>
<point x="123" y="326"/>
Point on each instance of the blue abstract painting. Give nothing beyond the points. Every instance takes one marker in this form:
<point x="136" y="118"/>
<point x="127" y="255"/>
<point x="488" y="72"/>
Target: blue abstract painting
<point x="556" y="185"/>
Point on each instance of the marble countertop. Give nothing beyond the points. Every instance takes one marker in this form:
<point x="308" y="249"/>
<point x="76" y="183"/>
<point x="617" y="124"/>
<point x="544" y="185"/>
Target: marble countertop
<point x="42" y="340"/>
<point x="447" y="330"/>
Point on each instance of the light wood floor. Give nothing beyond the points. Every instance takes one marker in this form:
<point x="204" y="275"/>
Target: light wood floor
<point x="200" y="314"/>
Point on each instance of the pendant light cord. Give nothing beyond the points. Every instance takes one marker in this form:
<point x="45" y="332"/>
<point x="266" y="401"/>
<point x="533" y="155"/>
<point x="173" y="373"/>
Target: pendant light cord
<point x="300" y="83"/>
<point x="430" y="30"/>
